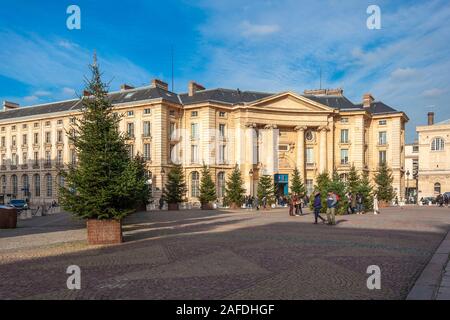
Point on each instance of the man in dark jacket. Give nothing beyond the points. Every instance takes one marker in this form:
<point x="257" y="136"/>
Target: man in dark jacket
<point x="317" y="206"/>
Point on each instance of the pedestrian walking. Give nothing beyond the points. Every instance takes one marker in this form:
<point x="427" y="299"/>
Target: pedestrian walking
<point x="331" y="208"/>
<point x="317" y="206"/>
<point x="376" y="209"/>
<point x="359" y="203"/>
<point x="255" y="203"/>
<point x="299" y="205"/>
<point x="349" y="203"/>
<point x="291" y="206"/>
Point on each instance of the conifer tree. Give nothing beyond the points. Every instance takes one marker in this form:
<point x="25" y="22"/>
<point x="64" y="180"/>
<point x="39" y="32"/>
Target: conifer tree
<point x="234" y="190"/>
<point x="383" y="181"/>
<point x="297" y="186"/>
<point x="105" y="183"/>
<point x="366" y="190"/>
<point x="266" y="188"/>
<point x="322" y="185"/>
<point x="207" y="187"/>
<point x="175" y="188"/>
<point x="353" y="180"/>
<point x="338" y="187"/>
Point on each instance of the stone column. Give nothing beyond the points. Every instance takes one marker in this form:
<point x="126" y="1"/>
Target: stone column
<point x="323" y="149"/>
<point x="270" y="148"/>
<point x="249" y="155"/>
<point x="301" y="150"/>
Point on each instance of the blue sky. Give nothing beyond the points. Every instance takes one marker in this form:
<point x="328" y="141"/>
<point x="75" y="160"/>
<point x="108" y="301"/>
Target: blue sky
<point x="251" y="45"/>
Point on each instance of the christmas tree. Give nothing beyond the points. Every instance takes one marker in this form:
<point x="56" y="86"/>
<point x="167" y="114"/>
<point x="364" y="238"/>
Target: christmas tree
<point x="266" y="188"/>
<point x="365" y="189"/>
<point x="297" y="185"/>
<point x="322" y="185"/>
<point x="353" y="181"/>
<point x="234" y="190"/>
<point x="175" y="188"/>
<point x="338" y="187"/>
<point x="106" y="183"/>
<point x="384" y="180"/>
<point x="207" y="187"/>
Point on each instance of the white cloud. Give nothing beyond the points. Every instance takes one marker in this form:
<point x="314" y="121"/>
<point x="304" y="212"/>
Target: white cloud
<point x="403" y="73"/>
<point x="250" y="29"/>
<point x="434" y="92"/>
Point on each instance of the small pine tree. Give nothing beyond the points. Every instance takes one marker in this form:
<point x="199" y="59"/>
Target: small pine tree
<point x="338" y="186"/>
<point x="106" y="183"/>
<point x="175" y="188"/>
<point x="234" y="190"/>
<point x="207" y="187"/>
<point x="297" y="185"/>
<point x="322" y="185"/>
<point x="366" y="190"/>
<point x="266" y="188"/>
<point x="353" y="180"/>
<point x="384" y="180"/>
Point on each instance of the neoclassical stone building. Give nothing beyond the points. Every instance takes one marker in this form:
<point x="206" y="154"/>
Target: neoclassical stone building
<point x="263" y="133"/>
<point x="434" y="155"/>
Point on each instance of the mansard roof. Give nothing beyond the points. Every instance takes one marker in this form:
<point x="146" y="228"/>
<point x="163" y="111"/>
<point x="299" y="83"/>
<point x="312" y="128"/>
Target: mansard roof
<point x="220" y="95"/>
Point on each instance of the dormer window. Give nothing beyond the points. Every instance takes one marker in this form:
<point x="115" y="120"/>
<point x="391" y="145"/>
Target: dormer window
<point x="194" y="113"/>
<point x="382" y="122"/>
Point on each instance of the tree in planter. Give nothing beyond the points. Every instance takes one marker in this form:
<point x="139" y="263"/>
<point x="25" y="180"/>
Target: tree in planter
<point x="338" y="187"/>
<point x="383" y="181"/>
<point x="297" y="185"/>
<point x="322" y="185"/>
<point x="207" y="189"/>
<point x="175" y="189"/>
<point x="234" y="190"/>
<point x="266" y="188"/>
<point x="106" y="184"/>
<point x="365" y="189"/>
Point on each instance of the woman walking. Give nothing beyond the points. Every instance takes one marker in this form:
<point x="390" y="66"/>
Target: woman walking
<point x="376" y="210"/>
<point x="317" y="206"/>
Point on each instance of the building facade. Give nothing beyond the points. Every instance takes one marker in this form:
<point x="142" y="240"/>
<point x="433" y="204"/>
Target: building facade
<point x="263" y="133"/>
<point x="434" y="155"/>
<point x="411" y="171"/>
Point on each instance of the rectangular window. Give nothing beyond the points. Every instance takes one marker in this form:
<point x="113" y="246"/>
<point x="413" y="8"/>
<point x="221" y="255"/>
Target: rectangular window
<point x="3" y="142"/>
<point x="131" y="150"/>
<point x="48" y="158"/>
<point x="24" y="139"/>
<point x="130" y="129"/>
<point x="59" y="122"/>
<point x="60" y="136"/>
<point x="415" y="149"/>
<point x="73" y="157"/>
<point x="59" y="157"/>
<point x="344" y="156"/>
<point x="24" y="126"/>
<point x="48" y="137"/>
<point x="222" y="130"/>
<point x="382" y="138"/>
<point x="309" y="156"/>
<point x="344" y="120"/>
<point x="36" y="124"/>
<point x="382" y="122"/>
<point x="382" y="157"/>
<point x="13" y="141"/>
<point x="194" y="130"/>
<point x="344" y="136"/>
<point x="147" y="129"/>
<point x="172" y="130"/>
<point x="147" y="151"/>
<point x="13" y="128"/>
<point x="24" y="158"/>
<point x="172" y="113"/>
<point x="36" y="138"/>
<point x="222" y="154"/>
<point x="222" y="114"/>
<point x="147" y="111"/>
<point x="47" y="123"/>
<point x="194" y="113"/>
<point x="309" y="186"/>
<point x="36" y="158"/>
<point x="194" y="153"/>
<point x="14" y="159"/>
<point x="130" y="113"/>
<point x="3" y="159"/>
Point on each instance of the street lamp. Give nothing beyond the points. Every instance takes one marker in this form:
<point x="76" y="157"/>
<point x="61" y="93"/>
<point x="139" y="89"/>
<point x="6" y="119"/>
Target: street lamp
<point x="407" y="186"/>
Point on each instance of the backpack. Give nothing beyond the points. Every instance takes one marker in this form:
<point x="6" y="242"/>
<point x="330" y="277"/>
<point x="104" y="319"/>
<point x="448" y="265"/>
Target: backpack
<point x="337" y="197"/>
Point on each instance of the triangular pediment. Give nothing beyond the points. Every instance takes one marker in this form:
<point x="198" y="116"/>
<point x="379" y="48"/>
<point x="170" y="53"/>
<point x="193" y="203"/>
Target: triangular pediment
<point x="290" y="101"/>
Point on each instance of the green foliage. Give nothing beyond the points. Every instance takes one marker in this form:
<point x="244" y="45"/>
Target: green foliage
<point x="338" y="186"/>
<point x="175" y="188"/>
<point x="383" y="181"/>
<point x="105" y="183"/>
<point x="207" y="187"/>
<point x="297" y="186"/>
<point x="323" y="183"/>
<point x="365" y="188"/>
<point x="234" y="190"/>
<point x="353" y="180"/>
<point x="266" y="188"/>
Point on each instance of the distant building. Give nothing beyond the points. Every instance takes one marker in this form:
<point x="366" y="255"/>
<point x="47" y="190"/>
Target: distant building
<point x="434" y="157"/>
<point x="411" y="170"/>
<point x="263" y="133"/>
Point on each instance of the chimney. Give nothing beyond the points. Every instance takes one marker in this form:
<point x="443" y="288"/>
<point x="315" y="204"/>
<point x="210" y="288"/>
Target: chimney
<point x="327" y="92"/>
<point x="8" y="105"/>
<point x="156" y="83"/>
<point x="367" y="100"/>
<point x="125" y="86"/>
<point x="430" y="118"/>
<point x="86" y="93"/>
<point x="194" y="87"/>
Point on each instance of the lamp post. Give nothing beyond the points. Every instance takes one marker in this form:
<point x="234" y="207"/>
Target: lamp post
<point x="162" y="179"/>
<point x="250" y="173"/>
<point x="407" y="186"/>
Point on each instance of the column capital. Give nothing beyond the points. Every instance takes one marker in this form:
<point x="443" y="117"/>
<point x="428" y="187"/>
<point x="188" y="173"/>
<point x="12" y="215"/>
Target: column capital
<point x="323" y="128"/>
<point x="270" y="126"/>
<point x="250" y="125"/>
<point x="300" y="128"/>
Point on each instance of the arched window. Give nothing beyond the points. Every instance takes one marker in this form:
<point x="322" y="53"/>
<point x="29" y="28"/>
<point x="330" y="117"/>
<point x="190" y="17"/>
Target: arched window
<point x="14" y="185"/>
<point x="220" y="184"/>
<point x="195" y="190"/>
<point x="48" y="183"/>
<point x="3" y="184"/>
<point x="61" y="181"/>
<point x="25" y="185"/>
<point x="437" y="144"/>
<point x="437" y="188"/>
<point x="37" y="185"/>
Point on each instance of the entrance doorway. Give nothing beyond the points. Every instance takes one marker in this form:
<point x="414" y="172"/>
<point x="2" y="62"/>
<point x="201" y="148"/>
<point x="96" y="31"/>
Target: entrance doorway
<point x="281" y="184"/>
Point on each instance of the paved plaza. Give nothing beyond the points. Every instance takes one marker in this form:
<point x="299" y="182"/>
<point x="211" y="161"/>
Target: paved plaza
<point x="224" y="255"/>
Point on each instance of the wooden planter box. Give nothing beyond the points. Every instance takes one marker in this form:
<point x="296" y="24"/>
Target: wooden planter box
<point x="104" y="231"/>
<point x="8" y="218"/>
<point x="383" y="204"/>
<point x="207" y="206"/>
<point x="173" y="206"/>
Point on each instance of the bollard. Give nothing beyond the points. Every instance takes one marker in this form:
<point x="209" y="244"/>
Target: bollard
<point x="28" y="214"/>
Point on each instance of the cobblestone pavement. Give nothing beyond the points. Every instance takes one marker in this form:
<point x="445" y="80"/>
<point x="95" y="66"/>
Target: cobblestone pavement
<point x="223" y="255"/>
